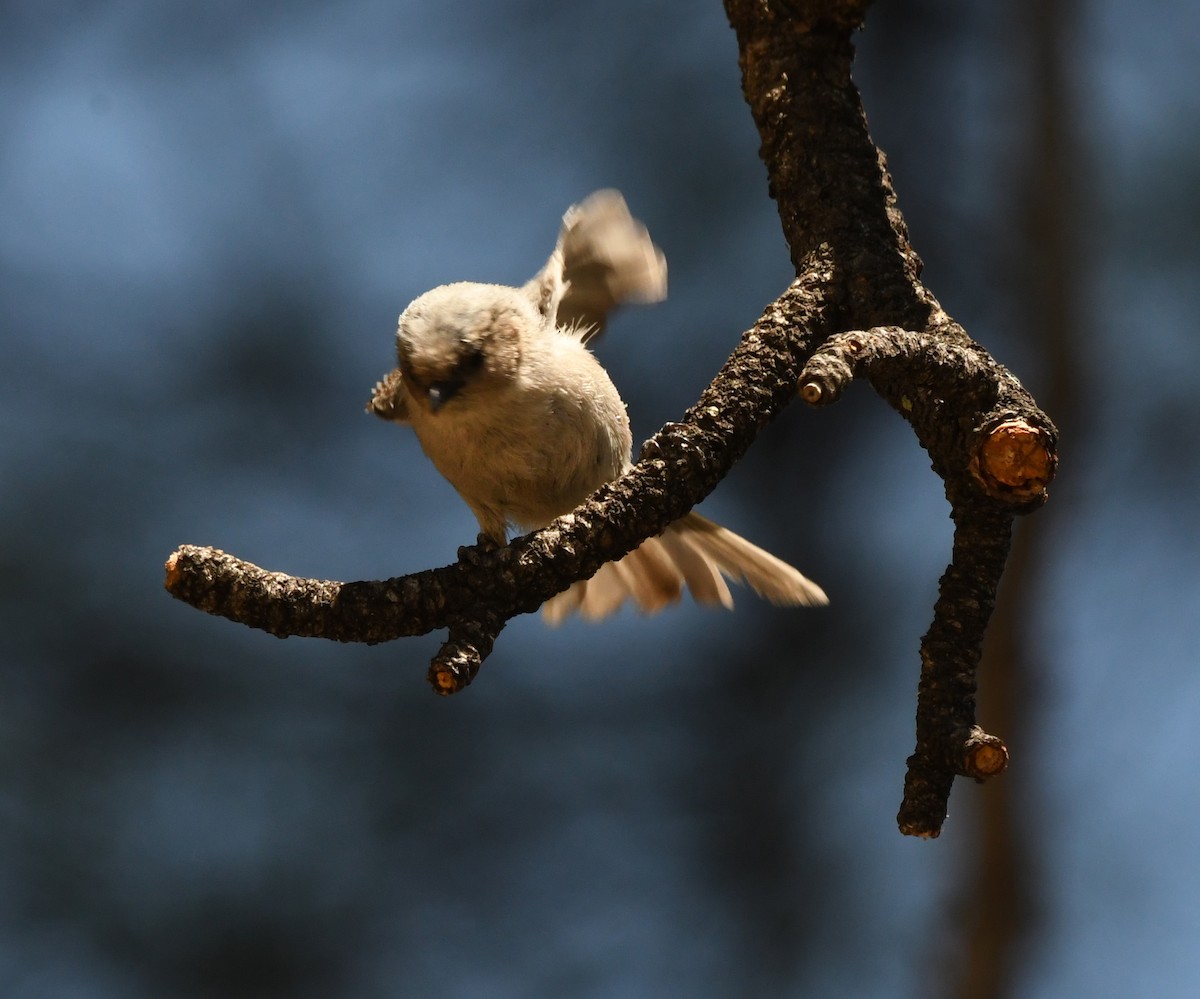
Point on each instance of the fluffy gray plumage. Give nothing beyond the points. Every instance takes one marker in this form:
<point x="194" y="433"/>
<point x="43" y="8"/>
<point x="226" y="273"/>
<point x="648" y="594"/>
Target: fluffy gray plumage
<point x="519" y="416"/>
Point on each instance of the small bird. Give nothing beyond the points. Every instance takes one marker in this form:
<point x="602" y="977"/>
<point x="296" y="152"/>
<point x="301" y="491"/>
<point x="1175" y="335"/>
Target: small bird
<point x="517" y="414"/>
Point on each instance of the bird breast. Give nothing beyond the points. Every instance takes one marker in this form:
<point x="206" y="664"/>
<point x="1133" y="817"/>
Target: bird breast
<point x="536" y="446"/>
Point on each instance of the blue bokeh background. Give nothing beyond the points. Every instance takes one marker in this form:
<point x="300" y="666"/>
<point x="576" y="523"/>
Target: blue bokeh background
<point x="210" y="216"/>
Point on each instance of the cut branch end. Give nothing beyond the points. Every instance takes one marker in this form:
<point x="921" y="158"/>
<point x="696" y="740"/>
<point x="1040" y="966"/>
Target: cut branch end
<point x="458" y="660"/>
<point x="811" y="393"/>
<point x="1014" y="463"/>
<point x="983" y="756"/>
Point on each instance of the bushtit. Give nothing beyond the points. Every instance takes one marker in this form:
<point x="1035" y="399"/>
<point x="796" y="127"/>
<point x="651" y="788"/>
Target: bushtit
<point x="519" y="416"/>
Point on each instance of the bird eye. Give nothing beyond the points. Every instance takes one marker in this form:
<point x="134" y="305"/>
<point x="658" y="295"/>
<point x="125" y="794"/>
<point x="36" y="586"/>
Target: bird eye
<point x="473" y="361"/>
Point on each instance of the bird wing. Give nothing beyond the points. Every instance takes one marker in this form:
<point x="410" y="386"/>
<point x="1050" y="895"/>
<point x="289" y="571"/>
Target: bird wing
<point x="604" y="257"/>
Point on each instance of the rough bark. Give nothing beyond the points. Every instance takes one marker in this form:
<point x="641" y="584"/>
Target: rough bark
<point x="856" y="309"/>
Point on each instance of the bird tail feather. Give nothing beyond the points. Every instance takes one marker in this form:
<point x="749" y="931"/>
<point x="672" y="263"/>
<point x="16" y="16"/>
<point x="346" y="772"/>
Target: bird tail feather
<point x="692" y="552"/>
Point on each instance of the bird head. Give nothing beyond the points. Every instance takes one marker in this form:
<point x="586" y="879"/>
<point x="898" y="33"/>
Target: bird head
<point x="462" y="340"/>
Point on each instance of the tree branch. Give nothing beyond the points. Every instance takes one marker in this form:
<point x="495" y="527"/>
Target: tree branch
<point x="995" y="450"/>
<point x="678" y="467"/>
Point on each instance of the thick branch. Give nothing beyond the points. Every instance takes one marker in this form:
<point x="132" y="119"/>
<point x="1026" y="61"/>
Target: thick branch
<point x="679" y="466"/>
<point x="995" y="450"/>
<point x="979" y="425"/>
<point x="827" y="177"/>
<point x="986" y="437"/>
<point x="948" y="740"/>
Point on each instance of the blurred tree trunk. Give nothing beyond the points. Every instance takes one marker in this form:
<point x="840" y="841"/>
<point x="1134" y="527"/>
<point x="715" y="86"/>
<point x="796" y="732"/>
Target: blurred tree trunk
<point x="1000" y="902"/>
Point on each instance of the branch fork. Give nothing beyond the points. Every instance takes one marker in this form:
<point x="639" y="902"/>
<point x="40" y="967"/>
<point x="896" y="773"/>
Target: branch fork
<point x="857" y="309"/>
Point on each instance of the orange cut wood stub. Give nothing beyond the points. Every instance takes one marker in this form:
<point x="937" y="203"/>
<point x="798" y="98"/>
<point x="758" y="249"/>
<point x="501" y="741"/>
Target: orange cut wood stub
<point x="1014" y="462"/>
<point x="984" y="757"/>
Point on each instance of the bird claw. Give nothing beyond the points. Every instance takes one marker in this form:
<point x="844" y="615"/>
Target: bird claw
<point x="484" y="545"/>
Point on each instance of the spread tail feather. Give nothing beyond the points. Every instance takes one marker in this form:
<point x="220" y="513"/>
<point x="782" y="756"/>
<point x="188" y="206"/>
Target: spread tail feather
<point x="693" y="552"/>
<point x="765" y="574"/>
